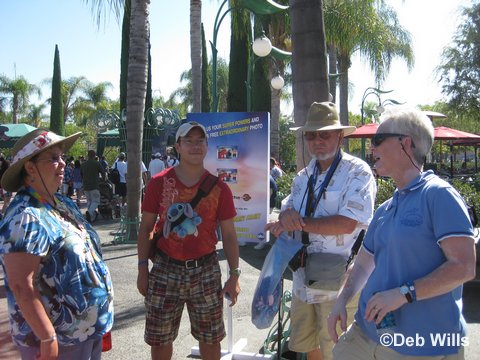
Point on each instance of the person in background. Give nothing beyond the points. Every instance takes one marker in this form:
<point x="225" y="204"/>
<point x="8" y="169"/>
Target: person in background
<point x="67" y="179"/>
<point x="156" y="165"/>
<point x="121" y="187"/>
<point x="104" y="163"/>
<point x="418" y="251"/>
<point x="171" y="158"/>
<point x="58" y="288"/>
<point x="91" y="173"/>
<point x="329" y="222"/>
<point x="275" y="170"/>
<point x="77" y="181"/>
<point x="186" y="267"/>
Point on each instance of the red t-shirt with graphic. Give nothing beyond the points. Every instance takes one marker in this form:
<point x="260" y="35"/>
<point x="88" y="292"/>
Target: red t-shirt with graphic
<point x="200" y="238"/>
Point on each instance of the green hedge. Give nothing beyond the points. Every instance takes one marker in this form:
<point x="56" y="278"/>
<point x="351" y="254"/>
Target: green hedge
<point x="468" y="188"/>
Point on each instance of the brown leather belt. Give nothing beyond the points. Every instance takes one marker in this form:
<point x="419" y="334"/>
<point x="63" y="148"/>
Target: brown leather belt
<point x="191" y="263"/>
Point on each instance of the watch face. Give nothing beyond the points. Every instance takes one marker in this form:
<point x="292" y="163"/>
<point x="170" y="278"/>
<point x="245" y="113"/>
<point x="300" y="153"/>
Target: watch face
<point x="235" y="272"/>
<point x="404" y="290"/>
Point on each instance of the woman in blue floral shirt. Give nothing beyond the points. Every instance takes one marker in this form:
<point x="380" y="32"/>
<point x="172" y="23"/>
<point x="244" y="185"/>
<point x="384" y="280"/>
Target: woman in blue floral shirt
<point x="58" y="287"/>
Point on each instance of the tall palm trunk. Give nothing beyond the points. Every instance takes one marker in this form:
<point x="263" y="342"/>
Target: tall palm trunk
<point x="309" y="64"/>
<point x="344" y="65"/>
<point x="196" y="53"/>
<point x="15" y="107"/>
<point x="275" y="124"/>
<point x="332" y="69"/>
<point x="136" y="92"/>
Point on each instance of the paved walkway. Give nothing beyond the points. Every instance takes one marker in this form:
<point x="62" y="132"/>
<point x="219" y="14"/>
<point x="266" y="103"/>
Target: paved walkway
<point x="127" y="335"/>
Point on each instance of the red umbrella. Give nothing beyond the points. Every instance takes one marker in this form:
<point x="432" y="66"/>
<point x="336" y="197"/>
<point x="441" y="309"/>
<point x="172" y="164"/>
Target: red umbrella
<point x="445" y="133"/>
<point x="364" y="131"/>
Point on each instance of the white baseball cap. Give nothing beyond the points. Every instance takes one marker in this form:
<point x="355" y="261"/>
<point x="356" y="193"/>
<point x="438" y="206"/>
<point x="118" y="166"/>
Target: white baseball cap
<point x="185" y="128"/>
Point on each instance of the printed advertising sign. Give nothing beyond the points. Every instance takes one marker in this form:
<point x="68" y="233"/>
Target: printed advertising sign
<point x="239" y="153"/>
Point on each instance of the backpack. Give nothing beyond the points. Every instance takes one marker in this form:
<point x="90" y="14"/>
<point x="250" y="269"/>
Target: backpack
<point x="114" y="175"/>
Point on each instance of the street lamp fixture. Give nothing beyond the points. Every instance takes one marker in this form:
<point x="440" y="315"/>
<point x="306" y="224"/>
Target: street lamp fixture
<point x="262" y="46"/>
<point x="379" y="109"/>
<point x="277" y="82"/>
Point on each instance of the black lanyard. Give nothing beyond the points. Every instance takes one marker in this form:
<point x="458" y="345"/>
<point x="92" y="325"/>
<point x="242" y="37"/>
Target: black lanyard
<point x="312" y="200"/>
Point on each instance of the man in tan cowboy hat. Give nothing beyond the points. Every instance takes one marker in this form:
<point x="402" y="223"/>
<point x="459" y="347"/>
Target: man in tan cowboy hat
<point x="331" y="201"/>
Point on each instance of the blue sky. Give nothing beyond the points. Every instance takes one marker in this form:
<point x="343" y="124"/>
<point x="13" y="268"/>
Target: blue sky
<point x="31" y="28"/>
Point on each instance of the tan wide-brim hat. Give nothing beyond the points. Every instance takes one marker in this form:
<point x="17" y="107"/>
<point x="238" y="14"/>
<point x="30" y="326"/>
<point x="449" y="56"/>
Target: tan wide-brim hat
<point x="323" y="116"/>
<point x="28" y="146"/>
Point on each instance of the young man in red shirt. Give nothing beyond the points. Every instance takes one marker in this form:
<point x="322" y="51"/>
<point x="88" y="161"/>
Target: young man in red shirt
<point x="185" y="266"/>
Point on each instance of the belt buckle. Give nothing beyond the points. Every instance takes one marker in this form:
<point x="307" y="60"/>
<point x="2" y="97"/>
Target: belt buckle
<point x="191" y="264"/>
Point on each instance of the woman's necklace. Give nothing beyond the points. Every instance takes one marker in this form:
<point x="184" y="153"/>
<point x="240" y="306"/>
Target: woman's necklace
<point x="59" y="207"/>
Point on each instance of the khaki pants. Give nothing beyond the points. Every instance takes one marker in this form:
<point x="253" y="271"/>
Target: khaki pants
<point x="354" y="344"/>
<point x="309" y="326"/>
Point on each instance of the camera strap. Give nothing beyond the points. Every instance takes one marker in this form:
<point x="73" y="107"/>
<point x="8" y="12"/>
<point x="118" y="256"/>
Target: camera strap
<point x="312" y="200"/>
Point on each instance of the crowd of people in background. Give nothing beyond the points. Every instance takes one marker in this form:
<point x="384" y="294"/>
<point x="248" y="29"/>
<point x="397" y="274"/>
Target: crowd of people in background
<point x="83" y="178"/>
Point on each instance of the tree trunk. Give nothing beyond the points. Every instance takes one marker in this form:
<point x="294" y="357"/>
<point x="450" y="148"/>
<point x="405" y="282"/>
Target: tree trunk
<point x="309" y="64"/>
<point x="332" y="69"/>
<point x="196" y="53"/>
<point x="124" y="55"/>
<point x="275" y="124"/>
<point x="344" y="65"/>
<point x="206" y="77"/>
<point x="240" y="54"/>
<point x="15" y="107"/>
<point x="136" y="92"/>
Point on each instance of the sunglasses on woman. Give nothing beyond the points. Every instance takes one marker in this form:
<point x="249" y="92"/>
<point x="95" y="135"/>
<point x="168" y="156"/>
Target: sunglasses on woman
<point x="379" y="138"/>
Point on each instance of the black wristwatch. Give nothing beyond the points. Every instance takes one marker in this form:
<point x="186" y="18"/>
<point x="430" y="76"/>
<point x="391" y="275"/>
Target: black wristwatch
<point x="405" y="291"/>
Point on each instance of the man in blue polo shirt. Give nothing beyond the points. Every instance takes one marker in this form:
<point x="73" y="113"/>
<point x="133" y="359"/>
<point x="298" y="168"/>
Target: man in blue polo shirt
<point x="417" y="253"/>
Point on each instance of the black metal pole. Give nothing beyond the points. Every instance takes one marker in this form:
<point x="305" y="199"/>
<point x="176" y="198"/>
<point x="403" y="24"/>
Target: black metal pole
<point x="280" y="325"/>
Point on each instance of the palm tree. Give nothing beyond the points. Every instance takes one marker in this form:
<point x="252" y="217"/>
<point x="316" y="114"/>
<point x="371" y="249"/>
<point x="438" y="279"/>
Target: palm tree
<point x="371" y="28"/>
<point x="182" y="97"/>
<point x="35" y="114"/>
<point x="136" y="92"/>
<point x="96" y="94"/>
<point x="196" y="52"/>
<point x="20" y="90"/>
<point x="70" y="89"/>
<point x="309" y="63"/>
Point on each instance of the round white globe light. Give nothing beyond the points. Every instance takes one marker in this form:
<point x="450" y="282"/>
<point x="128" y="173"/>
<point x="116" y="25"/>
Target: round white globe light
<point x="277" y="82"/>
<point x="262" y="46"/>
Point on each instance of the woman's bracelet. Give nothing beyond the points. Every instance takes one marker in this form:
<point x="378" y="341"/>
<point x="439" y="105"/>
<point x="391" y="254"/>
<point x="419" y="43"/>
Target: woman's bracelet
<point x="143" y="262"/>
<point x="50" y="339"/>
